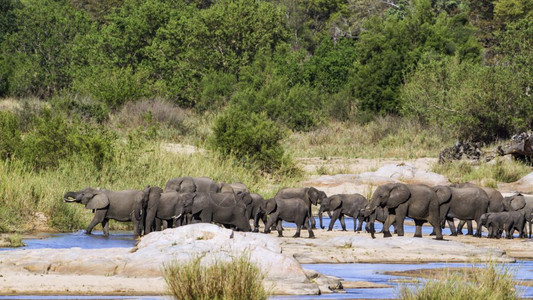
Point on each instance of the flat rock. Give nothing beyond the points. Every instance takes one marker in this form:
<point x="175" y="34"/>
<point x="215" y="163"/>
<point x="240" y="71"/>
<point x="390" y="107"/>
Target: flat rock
<point x="523" y="185"/>
<point x="283" y="274"/>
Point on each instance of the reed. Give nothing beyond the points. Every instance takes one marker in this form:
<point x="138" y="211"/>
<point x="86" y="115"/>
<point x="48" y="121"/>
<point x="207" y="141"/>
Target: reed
<point x="235" y="279"/>
<point x="490" y="282"/>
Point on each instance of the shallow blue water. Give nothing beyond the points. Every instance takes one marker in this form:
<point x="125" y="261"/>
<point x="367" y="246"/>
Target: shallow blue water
<point x="522" y="270"/>
<point x="408" y="229"/>
<point x="97" y="240"/>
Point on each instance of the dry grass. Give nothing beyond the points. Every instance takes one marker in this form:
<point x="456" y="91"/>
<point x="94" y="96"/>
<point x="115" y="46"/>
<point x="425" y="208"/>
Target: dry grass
<point x="486" y="174"/>
<point x="389" y="136"/>
<point x="236" y="279"/>
<point x="490" y="282"/>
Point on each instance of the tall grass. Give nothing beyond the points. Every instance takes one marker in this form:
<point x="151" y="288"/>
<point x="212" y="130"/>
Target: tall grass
<point x="487" y="174"/>
<point x="137" y="163"/>
<point x="388" y="136"/>
<point x="488" y="283"/>
<point x="236" y="279"/>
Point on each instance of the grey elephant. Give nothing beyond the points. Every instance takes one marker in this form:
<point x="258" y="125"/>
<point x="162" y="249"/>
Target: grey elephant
<point x="110" y="205"/>
<point x="522" y="203"/>
<point x="232" y="187"/>
<point x="258" y="210"/>
<point x="192" y="185"/>
<point x="416" y="201"/>
<point x="173" y="207"/>
<point x="506" y="221"/>
<point x="380" y="214"/>
<point x="341" y="205"/>
<point x="146" y="209"/>
<point x="218" y="208"/>
<point x="466" y="204"/>
<point x="495" y="203"/>
<point x="310" y="196"/>
<point x="294" y="210"/>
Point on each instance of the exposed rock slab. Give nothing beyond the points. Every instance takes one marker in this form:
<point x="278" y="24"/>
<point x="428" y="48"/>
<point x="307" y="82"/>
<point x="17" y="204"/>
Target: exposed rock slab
<point x="283" y="274"/>
<point x="523" y="185"/>
<point x="349" y="247"/>
<point x="364" y="183"/>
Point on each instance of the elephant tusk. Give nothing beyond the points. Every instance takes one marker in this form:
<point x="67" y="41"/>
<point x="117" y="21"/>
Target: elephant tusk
<point x="69" y="200"/>
<point x="177" y="217"/>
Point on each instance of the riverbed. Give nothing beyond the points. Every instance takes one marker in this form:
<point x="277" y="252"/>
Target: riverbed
<point x="373" y="273"/>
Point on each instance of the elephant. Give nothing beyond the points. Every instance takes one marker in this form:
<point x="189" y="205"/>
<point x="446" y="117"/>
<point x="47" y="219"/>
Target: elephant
<point x="462" y="203"/>
<point x="110" y="205"/>
<point x="495" y="203"/>
<point x="232" y="187"/>
<point x="310" y="196"/>
<point x="522" y="203"/>
<point x="344" y="204"/>
<point x="497" y="222"/>
<point x="293" y="210"/>
<point x="218" y="208"/>
<point x="192" y="185"/>
<point x="172" y="208"/>
<point x="258" y="212"/>
<point x="381" y="216"/>
<point x="416" y="201"/>
<point x="147" y="208"/>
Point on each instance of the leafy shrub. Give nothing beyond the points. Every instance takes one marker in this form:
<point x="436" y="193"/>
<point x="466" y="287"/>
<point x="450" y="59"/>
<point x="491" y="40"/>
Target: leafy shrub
<point x="10" y="138"/>
<point x="251" y="137"/>
<point x="236" y="279"/>
<point x="474" y="102"/>
<point x="84" y="107"/>
<point x="113" y="86"/>
<point x="215" y="90"/>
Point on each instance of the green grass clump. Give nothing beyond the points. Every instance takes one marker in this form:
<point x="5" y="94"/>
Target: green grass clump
<point x="487" y="174"/>
<point x="488" y="283"/>
<point x="15" y="240"/>
<point x="236" y="279"/>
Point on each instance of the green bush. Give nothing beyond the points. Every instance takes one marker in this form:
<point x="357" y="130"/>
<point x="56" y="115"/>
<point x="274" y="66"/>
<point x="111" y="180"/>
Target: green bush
<point x="250" y="136"/>
<point x="10" y="138"/>
<point x="85" y="108"/>
<point x="236" y="279"/>
<point x="474" y="102"/>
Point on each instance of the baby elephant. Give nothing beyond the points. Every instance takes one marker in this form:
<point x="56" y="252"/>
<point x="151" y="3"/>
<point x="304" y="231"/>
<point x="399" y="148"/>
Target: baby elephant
<point x="344" y="204"/>
<point x="497" y="222"/>
<point x="293" y="210"/>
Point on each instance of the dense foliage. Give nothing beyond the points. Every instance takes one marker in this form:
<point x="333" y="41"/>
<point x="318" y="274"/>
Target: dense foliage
<point x="463" y="65"/>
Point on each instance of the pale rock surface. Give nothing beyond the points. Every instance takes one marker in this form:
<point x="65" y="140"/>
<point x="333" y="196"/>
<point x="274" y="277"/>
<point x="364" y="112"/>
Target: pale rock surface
<point x="366" y="182"/>
<point x="523" y="185"/>
<point x="283" y="274"/>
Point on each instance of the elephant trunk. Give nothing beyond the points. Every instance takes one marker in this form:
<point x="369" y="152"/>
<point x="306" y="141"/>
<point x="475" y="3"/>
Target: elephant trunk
<point x="372" y="220"/>
<point x="71" y="197"/>
<point x="320" y="212"/>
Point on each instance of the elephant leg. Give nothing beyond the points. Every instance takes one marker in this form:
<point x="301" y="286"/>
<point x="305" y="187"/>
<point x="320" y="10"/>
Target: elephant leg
<point x="386" y="226"/>
<point x="98" y="218"/>
<point x="280" y="228"/>
<point x="418" y="228"/>
<point x="460" y="226"/>
<point x="105" y="226"/>
<point x="451" y="225"/>
<point x="310" y="214"/>
<point x="359" y="223"/>
<point x="341" y="219"/>
<point x="399" y="227"/>
<point x="470" y="228"/>
<point x="479" y="228"/>
<point x="298" y="228"/>
<point x="334" y="218"/>
<point x="256" y="222"/>
<point x="273" y="219"/>
<point x="310" y="231"/>
<point x="158" y="224"/>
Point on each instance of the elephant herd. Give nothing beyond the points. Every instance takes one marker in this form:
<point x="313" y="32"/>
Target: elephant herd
<point x="187" y="200"/>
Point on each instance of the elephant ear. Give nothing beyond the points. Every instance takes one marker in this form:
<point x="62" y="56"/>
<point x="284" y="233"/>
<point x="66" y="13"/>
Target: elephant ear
<point x="99" y="201"/>
<point x="444" y="193"/>
<point x="399" y="194"/>
<point x="154" y="195"/>
<point x="335" y="203"/>
<point x="312" y="195"/>
<point x="187" y="185"/>
<point x="518" y="202"/>
<point x="270" y="206"/>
